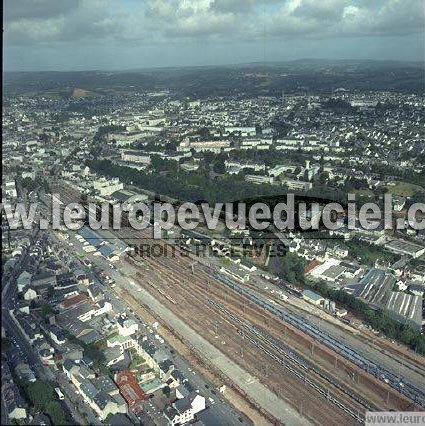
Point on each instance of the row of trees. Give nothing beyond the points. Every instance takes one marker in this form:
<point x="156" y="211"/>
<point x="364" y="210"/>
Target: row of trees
<point x="369" y="254"/>
<point x="43" y="398"/>
<point x="198" y="185"/>
<point x="186" y="186"/>
<point x="94" y="352"/>
<point x="291" y="268"/>
<point x="379" y="319"/>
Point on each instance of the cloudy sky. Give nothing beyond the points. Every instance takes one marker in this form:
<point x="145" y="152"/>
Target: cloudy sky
<point x="125" y="34"/>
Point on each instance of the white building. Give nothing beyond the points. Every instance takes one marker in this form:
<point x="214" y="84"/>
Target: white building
<point x="30" y="294"/>
<point x="106" y="187"/>
<point x="135" y="157"/>
<point x="23" y="281"/>
<point x="201" y="146"/>
<point x="244" y="131"/>
<point x="183" y="411"/>
<point x="297" y="185"/>
<point x="10" y="189"/>
<point x="259" y="179"/>
<point x="127" y="326"/>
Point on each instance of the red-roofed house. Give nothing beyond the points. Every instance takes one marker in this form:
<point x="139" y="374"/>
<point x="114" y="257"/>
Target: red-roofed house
<point x="74" y="301"/>
<point x="311" y="266"/>
<point x="130" y="390"/>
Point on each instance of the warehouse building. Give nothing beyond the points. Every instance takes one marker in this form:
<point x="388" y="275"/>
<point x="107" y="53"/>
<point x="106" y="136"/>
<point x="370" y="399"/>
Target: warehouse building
<point x="312" y="297"/>
<point x="405" y="247"/>
<point x="406" y="308"/>
<point x="375" y="287"/>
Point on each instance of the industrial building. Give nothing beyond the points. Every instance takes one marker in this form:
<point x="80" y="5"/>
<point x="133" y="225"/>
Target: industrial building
<point x="312" y="297"/>
<point x="405" y="247"/>
<point x="334" y="271"/>
<point x="100" y="245"/>
<point x="375" y="287"/>
<point x="259" y="179"/>
<point x="406" y="307"/>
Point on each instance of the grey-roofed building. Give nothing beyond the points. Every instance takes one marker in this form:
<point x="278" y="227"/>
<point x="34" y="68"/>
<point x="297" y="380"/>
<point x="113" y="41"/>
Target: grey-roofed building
<point x="102" y="399"/>
<point x="120" y="419"/>
<point x="405" y="247"/>
<point x="113" y="356"/>
<point x="124" y="194"/>
<point x="166" y="369"/>
<point x="23" y="281"/>
<point x="182" y="405"/>
<point x="105" y="405"/>
<point x="333" y="272"/>
<point x="109" y="252"/>
<point x="210" y="417"/>
<point x="182" y="392"/>
<point x="90" y="337"/>
<point x="64" y="293"/>
<point x="95" y="292"/>
<point x="417" y="289"/>
<point x="105" y="384"/>
<point x="24" y="372"/>
<point x="375" y="287"/>
<point x="160" y="356"/>
<point x="81" y="276"/>
<point x="40" y="419"/>
<point x="90" y="236"/>
<point x="172" y="415"/>
<point x="76" y="327"/>
<point x="88" y="389"/>
<point x="68" y="367"/>
<point x="43" y="281"/>
<point x="57" y="335"/>
<point x="406" y="308"/>
<point x="23" y="306"/>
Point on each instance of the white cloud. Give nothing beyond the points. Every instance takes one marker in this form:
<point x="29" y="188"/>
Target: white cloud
<point x="55" y="21"/>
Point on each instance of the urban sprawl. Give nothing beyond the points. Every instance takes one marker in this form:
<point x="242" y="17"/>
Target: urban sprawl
<point x="103" y="326"/>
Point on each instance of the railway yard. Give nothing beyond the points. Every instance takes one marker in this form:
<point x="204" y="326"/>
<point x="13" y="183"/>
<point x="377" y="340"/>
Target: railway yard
<point x="320" y="376"/>
<point x="295" y="365"/>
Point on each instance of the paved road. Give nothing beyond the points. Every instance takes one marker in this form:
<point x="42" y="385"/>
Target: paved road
<point x="4" y="416"/>
<point x="42" y="372"/>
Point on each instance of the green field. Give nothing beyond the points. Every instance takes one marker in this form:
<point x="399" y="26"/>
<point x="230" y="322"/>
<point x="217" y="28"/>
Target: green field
<point x="364" y="192"/>
<point x="404" y="189"/>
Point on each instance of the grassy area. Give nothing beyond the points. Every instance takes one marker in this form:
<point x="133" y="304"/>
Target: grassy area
<point x="369" y="254"/>
<point x="225" y="261"/>
<point x="364" y="192"/>
<point x="136" y="361"/>
<point x="403" y="189"/>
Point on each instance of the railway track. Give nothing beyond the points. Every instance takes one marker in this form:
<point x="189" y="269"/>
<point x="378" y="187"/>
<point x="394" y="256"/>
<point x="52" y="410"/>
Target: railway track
<point x="329" y="341"/>
<point x="407" y="389"/>
<point x="415" y="394"/>
<point x="293" y="362"/>
<point x="298" y="360"/>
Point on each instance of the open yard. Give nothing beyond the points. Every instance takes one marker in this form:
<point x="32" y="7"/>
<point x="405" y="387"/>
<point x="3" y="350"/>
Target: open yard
<point x="404" y="189"/>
